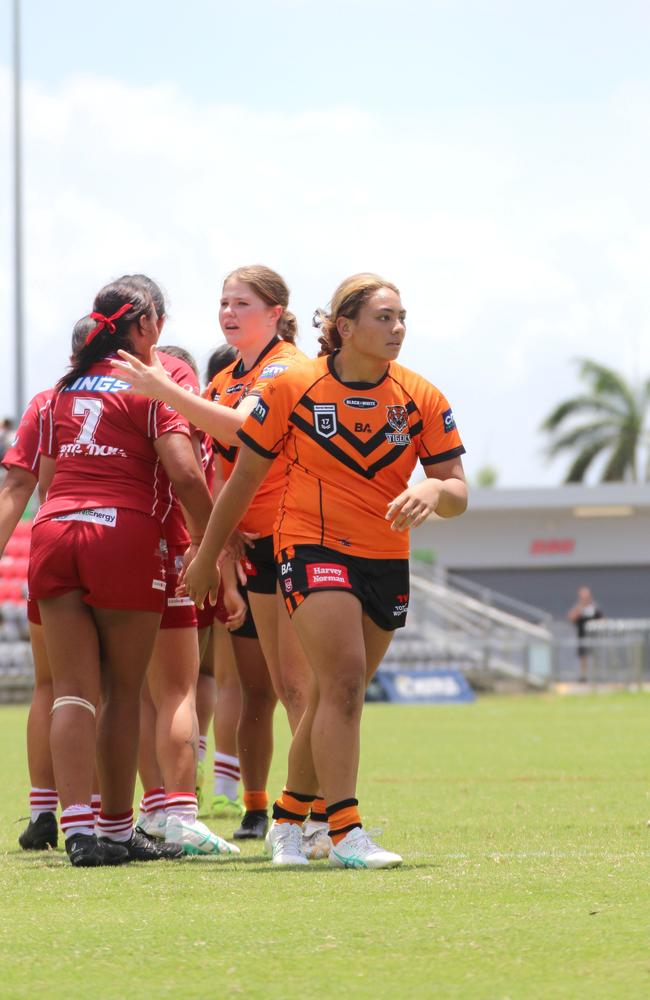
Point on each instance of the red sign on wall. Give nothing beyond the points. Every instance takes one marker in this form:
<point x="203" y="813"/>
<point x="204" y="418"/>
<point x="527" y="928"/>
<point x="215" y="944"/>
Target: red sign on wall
<point x="552" y="546"/>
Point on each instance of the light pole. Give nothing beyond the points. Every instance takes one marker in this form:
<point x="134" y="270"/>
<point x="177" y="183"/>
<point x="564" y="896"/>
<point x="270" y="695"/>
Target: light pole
<point x="19" y="347"/>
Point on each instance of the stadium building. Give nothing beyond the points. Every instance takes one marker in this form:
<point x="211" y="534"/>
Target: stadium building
<point x="539" y="545"/>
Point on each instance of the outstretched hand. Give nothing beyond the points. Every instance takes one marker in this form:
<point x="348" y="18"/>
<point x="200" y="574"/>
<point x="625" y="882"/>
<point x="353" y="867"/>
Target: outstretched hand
<point x="198" y="580"/>
<point x="146" y="379"/>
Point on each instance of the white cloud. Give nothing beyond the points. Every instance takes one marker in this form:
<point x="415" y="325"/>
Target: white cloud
<point x="510" y="261"/>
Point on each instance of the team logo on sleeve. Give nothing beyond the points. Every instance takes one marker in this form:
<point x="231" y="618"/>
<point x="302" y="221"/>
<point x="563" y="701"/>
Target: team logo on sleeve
<point x="398" y="420"/>
<point x="325" y="422"/>
<point x="448" y="422"/>
<point x="260" y="412"/>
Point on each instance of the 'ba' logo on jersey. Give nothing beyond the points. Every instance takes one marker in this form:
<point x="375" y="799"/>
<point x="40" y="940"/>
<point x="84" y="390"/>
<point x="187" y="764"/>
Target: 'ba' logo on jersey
<point x="325" y="419"/>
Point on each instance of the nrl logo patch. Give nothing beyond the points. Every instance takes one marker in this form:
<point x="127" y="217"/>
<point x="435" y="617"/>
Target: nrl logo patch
<point x="325" y="422"/>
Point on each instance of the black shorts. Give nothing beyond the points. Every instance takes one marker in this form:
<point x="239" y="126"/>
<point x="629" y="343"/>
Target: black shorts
<point x="247" y="630"/>
<point x="382" y="585"/>
<point x="260" y="567"/>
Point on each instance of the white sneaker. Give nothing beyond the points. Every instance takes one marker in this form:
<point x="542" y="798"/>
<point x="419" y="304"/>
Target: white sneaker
<point x="316" y="843"/>
<point x="357" y="850"/>
<point x="153" y="824"/>
<point x="195" y="838"/>
<point x="284" y="844"/>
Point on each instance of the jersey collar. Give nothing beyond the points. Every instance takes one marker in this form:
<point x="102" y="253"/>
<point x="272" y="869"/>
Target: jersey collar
<point x="239" y="370"/>
<point x="354" y="385"/>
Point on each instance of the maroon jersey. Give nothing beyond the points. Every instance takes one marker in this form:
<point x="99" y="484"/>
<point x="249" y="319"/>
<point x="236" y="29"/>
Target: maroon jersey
<point x="25" y="450"/>
<point x="174" y="523"/>
<point x="103" y="442"/>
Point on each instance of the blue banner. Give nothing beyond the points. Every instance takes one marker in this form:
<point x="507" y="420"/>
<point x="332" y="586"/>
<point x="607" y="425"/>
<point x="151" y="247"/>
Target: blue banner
<point x="421" y="687"/>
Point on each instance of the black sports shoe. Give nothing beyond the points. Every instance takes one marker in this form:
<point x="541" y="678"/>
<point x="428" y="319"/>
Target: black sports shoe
<point x="253" y="826"/>
<point x="141" y="848"/>
<point x="39" y="834"/>
<point x="86" y="851"/>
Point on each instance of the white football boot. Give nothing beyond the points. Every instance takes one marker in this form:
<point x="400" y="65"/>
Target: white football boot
<point x="153" y="824"/>
<point x="357" y="850"/>
<point x="316" y="843"/>
<point x="196" y="838"/>
<point x="284" y="844"/>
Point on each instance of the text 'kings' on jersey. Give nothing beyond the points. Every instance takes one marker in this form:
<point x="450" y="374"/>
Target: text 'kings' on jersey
<point x="351" y="449"/>
<point x="229" y="387"/>
<point x="103" y="442"/>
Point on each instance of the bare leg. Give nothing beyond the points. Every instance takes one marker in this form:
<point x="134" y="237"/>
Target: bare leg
<point x="172" y="675"/>
<point x="227" y="709"/>
<point x="72" y="646"/>
<point x="255" y="730"/>
<point x="283" y="654"/>
<point x="127" y="639"/>
<point x="206" y="688"/>
<point x="39" y="756"/>
<point x="148" y="767"/>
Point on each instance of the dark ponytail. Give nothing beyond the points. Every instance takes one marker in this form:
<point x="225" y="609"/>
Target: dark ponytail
<point x="110" y="336"/>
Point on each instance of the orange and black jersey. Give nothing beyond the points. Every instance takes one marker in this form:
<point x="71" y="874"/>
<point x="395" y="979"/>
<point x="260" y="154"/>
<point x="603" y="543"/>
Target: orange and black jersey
<point x="228" y="388"/>
<point x="350" y="448"/>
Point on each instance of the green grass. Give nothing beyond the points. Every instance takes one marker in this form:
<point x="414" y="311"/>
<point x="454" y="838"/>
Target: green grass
<point x="527" y="862"/>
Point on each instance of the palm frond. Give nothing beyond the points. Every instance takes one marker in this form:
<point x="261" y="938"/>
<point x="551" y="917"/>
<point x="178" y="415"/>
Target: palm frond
<point x="583" y="436"/>
<point x="605" y="381"/>
<point x="621" y="461"/>
<point x="580" y="404"/>
<point x="580" y="465"/>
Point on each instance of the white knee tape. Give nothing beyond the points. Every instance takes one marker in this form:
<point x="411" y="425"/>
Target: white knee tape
<point x="72" y="700"/>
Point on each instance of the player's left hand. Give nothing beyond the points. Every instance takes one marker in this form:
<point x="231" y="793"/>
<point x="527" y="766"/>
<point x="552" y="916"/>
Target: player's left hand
<point x="236" y="607"/>
<point x="413" y="506"/>
<point x="199" y="580"/>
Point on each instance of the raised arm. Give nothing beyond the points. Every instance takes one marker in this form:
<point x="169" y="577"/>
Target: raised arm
<point x="222" y="422"/>
<point x="186" y="476"/>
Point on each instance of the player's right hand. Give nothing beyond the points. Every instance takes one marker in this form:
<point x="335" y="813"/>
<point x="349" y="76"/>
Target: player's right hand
<point x="198" y="580"/>
<point x="146" y="380"/>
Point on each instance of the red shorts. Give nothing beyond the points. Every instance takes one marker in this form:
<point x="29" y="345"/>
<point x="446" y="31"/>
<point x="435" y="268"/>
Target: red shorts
<point x="180" y="612"/>
<point x="113" y="556"/>
<point x="33" y="614"/>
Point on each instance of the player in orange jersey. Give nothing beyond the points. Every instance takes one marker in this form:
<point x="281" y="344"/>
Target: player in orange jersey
<point x="255" y="320"/>
<point x="351" y="426"/>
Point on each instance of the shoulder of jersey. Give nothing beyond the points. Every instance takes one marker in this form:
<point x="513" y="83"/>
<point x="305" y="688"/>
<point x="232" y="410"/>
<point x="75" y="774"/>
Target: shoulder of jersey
<point x="179" y="370"/>
<point x="410" y="380"/>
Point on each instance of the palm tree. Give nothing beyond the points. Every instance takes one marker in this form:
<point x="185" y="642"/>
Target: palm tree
<point x="614" y="425"/>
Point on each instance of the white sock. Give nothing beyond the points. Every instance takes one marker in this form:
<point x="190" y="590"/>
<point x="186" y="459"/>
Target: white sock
<point x="183" y="805"/>
<point x="42" y="800"/>
<point x="226" y="775"/>
<point x="77" y="819"/>
<point x="118" y="827"/>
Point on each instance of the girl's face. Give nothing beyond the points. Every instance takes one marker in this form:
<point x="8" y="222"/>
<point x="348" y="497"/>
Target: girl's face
<point x="245" y="318"/>
<point x="378" y="331"/>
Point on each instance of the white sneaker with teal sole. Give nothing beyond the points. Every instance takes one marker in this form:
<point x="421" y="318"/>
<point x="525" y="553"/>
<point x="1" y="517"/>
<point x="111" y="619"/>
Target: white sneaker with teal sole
<point x="195" y="838"/>
<point x="284" y="844"/>
<point x="153" y="825"/>
<point x="357" y="850"/>
<point x="316" y="843"/>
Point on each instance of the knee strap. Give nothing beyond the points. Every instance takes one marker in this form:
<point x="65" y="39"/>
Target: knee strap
<point x="72" y="700"/>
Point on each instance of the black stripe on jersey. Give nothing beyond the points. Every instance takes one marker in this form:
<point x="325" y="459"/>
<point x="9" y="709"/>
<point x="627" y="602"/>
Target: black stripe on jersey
<point x="230" y="454"/>
<point x="254" y="446"/>
<point x="366" y="448"/>
<point x="444" y="456"/>
<point x="341" y="456"/>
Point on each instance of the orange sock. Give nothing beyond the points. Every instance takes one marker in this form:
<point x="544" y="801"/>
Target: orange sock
<point x="292" y="807"/>
<point x="256" y="801"/>
<point x="318" y="811"/>
<point x="343" y="817"/>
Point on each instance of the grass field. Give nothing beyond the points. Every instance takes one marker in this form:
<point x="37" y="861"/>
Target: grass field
<point x="522" y="822"/>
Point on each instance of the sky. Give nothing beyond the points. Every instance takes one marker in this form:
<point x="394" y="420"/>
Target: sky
<point x="490" y="158"/>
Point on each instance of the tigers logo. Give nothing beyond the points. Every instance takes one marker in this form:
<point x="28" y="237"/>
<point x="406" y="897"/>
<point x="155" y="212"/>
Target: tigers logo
<point x="325" y="422"/>
<point x="397" y="418"/>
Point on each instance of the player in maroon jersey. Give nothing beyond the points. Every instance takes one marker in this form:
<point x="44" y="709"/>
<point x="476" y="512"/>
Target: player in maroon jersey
<point x="22" y="462"/>
<point x="97" y="568"/>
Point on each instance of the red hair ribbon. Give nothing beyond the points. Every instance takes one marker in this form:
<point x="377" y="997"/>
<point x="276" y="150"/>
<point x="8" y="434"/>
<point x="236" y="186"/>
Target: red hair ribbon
<point x="107" y="321"/>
